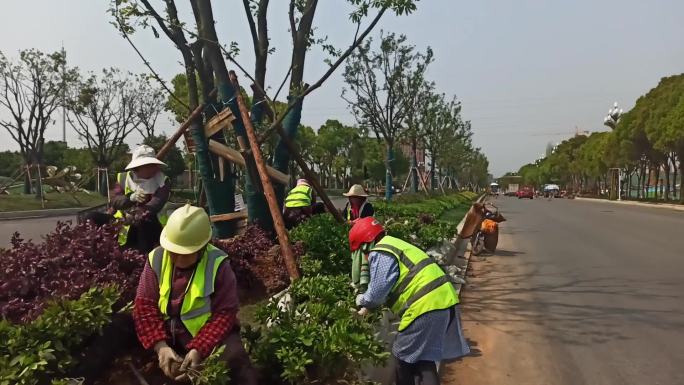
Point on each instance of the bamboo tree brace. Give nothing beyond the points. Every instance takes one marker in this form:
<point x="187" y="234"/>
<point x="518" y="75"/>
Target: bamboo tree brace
<point x="196" y="307"/>
<point x="422" y="285"/>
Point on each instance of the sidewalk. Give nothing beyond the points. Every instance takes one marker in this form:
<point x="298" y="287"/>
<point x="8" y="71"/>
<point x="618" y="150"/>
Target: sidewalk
<point x="670" y="206"/>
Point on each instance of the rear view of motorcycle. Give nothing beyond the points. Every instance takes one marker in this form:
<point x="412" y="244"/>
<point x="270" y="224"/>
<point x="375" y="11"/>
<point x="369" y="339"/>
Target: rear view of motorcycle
<point x="487" y="235"/>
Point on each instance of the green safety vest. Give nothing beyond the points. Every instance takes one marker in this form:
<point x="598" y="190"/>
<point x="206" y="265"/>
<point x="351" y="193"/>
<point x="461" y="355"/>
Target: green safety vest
<point x="122" y="177"/>
<point x="196" y="307"/>
<point x="422" y="285"/>
<point x="300" y="196"/>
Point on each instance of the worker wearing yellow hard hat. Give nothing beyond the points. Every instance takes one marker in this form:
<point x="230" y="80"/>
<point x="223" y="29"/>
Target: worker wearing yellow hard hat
<point x="187" y="301"/>
<point x="186" y="305"/>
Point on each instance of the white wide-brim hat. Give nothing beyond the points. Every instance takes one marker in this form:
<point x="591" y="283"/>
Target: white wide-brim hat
<point x="144" y="155"/>
<point x="356" y="191"/>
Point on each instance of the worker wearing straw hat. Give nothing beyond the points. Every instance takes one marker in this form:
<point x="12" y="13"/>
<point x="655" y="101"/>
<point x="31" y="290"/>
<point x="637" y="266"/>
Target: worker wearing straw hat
<point x="358" y="205"/>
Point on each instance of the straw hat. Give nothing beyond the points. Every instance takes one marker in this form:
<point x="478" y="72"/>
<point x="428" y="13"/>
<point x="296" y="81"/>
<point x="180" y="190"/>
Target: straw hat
<point x="356" y="191"/>
<point x="144" y="155"/>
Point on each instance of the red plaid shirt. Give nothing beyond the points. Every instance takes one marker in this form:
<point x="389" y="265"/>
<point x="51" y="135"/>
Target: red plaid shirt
<point x="151" y="328"/>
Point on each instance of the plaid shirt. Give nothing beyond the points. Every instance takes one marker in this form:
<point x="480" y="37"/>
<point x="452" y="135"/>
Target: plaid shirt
<point x="151" y="327"/>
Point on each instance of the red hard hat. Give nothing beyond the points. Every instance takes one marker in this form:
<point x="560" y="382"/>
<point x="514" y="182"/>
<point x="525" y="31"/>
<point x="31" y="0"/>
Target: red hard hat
<point x="365" y="230"/>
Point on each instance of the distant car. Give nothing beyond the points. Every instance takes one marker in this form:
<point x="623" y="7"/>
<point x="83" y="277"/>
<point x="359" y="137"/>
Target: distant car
<point x="525" y="193"/>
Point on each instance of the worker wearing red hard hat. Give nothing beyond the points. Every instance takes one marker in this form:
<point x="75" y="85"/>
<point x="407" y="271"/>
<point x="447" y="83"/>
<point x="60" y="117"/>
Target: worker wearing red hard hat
<point x="417" y="291"/>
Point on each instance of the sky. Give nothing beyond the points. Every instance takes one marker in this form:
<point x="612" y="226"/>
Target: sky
<point x="528" y="72"/>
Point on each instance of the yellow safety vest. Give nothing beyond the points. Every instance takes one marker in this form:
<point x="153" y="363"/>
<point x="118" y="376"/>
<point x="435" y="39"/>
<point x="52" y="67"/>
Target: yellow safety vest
<point x="422" y="285"/>
<point x="122" y="177"/>
<point x="196" y="307"/>
<point x="349" y="210"/>
<point x="300" y="196"/>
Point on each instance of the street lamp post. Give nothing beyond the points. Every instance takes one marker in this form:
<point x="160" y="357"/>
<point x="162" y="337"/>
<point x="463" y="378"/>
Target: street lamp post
<point x="611" y="120"/>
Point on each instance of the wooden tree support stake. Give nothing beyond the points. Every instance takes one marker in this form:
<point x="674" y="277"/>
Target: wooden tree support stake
<point x="179" y="132"/>
<point x="279" y="224"/>
<point x="235" y="157"/>
<point x="228" y="217"/>
<point x="310" y="175"/>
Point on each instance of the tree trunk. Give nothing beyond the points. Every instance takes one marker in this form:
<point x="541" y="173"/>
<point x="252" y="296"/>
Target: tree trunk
<point x="281" y="157"/>
<point x="414" y="165"/>
<point x="432" y="172"/>
<point x="388" y="171"/>
<point x="102" y="178"/>
<point x="28" y="189"/>
<point x="220" y="194"/>
<point x="680" y="156"/>
<point x="667" y="180"/>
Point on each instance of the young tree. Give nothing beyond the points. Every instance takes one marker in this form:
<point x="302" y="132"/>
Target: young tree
<point x="103" y="111"/>
<point x="31" y="90"/>
<point x="203" y="61"/>
<point x="383" y="85"/>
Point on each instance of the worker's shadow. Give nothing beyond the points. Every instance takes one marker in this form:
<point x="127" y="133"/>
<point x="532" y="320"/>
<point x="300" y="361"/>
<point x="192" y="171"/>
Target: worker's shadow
<point x="506" y="253"/>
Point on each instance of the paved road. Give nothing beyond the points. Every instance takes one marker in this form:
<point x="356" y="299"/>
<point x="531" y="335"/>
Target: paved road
<point x="32" y="228"/>
<point x="578" y="293"/>
<point x="38" y="227"/>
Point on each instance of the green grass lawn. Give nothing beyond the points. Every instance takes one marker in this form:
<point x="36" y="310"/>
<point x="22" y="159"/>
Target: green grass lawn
<point x="53" y="200"/>
<point x="455" y="215"/>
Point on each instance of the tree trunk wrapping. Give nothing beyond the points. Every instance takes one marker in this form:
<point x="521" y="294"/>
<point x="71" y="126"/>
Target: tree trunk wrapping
<point x="388" y="172"/>
<point x="281" y="157"/>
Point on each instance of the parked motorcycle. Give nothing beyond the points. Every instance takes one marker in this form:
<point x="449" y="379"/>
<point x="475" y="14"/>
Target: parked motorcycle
<point x="487" y="236"/>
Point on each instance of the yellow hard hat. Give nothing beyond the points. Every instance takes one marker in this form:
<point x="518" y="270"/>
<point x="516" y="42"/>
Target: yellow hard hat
<point x="187" y="230"/>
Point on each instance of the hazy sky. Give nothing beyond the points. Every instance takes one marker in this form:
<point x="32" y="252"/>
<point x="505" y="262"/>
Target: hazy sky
<point x="527" y="71"/>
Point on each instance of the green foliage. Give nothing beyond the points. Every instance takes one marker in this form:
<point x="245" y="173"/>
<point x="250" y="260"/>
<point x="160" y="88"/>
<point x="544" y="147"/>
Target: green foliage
<point x="326" y="245"/>
<point x="415" y="218"/>
<point x="35" y="352"/>
<point x="316" y="338"/>
<point x="650" y="135"/>
<point x="10" y="162"/>
<point x="214" y="370"/>
<point x="53" y="153"/>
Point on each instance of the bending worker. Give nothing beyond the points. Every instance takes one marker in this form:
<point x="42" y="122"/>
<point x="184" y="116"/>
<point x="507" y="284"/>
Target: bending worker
<point x="139" y="197"/>
<point x="299" y="204"/>
<point x="417" y="291"/>
<point x="187" y="300"/>
<point x="358" y="205"/>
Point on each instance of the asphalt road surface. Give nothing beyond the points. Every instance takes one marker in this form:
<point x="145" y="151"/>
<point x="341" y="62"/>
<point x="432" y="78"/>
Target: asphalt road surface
<point x="35" y="228"/>
<point x="578" y="293"/>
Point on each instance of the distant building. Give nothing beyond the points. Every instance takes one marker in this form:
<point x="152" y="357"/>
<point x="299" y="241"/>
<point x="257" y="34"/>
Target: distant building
<point x="405" y="147"/>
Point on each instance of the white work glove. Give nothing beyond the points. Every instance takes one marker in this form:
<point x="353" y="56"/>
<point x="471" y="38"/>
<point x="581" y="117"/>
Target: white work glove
<point x="138" y="196"/>
<point x="191" y="361"/>
<point x="359" y="297"/>
<point x="169" y="360"/>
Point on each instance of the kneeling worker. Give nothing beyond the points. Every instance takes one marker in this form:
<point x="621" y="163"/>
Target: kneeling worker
<point x="419" y="292"/>
<point x="187" y="300"/>
<point x="299" y="204"/>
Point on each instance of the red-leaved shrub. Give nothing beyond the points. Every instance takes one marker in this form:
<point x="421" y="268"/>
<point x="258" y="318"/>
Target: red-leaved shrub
<point x="70" y="260"/>
<point x="257" y="263"/>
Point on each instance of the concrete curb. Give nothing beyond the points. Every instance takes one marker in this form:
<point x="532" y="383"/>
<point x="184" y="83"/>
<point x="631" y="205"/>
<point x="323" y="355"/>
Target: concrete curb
<point x="670" y="206"/>
<point x="32" y="214"/>
<point x="468" y="253"/>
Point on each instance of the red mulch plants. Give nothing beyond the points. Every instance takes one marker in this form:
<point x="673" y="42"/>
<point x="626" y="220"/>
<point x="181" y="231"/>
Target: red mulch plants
<point x="71" y="260"/>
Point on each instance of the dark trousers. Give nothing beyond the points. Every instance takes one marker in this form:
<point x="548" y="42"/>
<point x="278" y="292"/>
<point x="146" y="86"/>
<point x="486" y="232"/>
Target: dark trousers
<point x="293" y="216"/>
<point x="119" y="335"/>
<point x="419" y="373"/>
